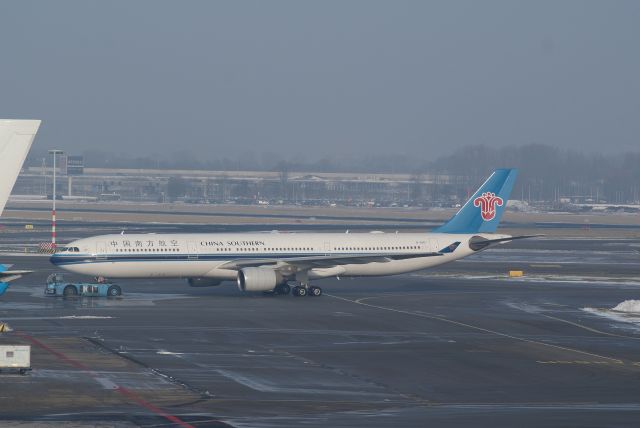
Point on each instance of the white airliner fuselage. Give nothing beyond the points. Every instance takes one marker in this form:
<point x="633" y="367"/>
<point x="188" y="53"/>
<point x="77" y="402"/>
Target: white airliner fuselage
<point x="268" y="261"/>
<point x="219" y="257"/>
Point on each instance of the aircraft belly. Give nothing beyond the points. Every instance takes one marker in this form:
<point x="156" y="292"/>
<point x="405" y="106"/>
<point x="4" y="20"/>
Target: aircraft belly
<point x="393" y="267"/>
<point x="146" y="269"/>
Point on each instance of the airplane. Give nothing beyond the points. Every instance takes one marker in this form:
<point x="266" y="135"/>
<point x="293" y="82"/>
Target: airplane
<point x="16" y="137"/>
<point x="268" y="261"/>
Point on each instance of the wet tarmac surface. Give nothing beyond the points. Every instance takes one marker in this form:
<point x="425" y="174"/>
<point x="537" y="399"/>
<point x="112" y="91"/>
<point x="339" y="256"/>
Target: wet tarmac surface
<point x="461" y="345"/>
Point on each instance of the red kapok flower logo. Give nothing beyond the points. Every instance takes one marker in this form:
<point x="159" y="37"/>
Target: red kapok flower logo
<point x="487" y="203"/>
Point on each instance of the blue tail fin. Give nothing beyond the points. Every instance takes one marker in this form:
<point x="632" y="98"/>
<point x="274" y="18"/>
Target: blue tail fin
<point x="3" y="285"/>
<point x="483" y="211"/>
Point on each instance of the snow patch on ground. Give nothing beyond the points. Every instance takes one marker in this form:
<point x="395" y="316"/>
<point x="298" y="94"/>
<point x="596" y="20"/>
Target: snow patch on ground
<point x="630" y="306"/>
<point x="164" y="352"/>
<point x="533" y="278"/>
<point x="85" y="317"/>
<point x="625" y="312"/>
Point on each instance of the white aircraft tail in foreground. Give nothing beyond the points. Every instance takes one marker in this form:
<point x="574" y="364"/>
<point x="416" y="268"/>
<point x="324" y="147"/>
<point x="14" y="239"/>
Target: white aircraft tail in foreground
<point x="16" y="137"/>
<point x="269" y="261"/>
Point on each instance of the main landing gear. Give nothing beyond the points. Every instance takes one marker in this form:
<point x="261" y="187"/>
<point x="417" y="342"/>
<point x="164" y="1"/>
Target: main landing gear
<point x="300" y="291"/>
<point x="282" y="289"/>
<point x="304" y="289"/>
<point x="297" y="291"/>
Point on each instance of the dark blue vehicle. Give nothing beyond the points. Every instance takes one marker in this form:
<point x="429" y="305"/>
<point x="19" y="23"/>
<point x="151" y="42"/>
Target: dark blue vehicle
<point x="57" y="286"/>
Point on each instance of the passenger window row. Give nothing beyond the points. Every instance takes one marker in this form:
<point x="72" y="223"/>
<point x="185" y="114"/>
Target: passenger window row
<point x="404" y="247"/>
<point x="269" y="249"/>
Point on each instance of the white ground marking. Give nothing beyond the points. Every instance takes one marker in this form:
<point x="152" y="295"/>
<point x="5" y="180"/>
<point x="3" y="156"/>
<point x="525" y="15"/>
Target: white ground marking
<point x="473" y="327"/>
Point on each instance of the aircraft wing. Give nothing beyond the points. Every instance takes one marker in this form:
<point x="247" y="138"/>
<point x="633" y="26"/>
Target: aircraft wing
<point x="7" y="275"/>
<point x="310" y="262"/>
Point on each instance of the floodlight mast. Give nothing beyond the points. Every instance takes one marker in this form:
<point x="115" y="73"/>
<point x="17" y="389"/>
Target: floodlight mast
<point x="55" y="153"/>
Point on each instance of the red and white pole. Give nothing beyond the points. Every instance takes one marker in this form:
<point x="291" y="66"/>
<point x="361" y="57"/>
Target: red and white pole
<point x="53" y="228"/>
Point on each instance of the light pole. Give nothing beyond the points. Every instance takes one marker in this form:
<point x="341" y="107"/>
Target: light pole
<point x="55" y="153"/>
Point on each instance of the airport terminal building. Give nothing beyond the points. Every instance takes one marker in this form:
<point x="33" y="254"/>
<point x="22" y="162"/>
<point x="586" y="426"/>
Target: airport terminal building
<point x="74" y="181"/>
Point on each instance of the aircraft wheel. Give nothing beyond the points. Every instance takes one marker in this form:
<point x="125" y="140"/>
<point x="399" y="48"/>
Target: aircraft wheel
<point x="299" y="291"/>
<point x="315" y="291"/>
<point x="70" y="290"/>
<point x="114" y="291"/>
<point x="284" y="289"/>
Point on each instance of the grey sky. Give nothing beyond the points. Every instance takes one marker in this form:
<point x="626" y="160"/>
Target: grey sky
<point x="322" y="77"/>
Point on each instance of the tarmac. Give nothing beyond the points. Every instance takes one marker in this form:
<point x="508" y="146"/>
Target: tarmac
<point x="461" y="345"/>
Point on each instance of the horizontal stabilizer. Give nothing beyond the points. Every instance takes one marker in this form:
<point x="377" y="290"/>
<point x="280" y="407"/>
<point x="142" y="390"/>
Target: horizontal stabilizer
<point x="7" y="276"/>
<point x="12" y="275"/>
<point x="478" y="243"/>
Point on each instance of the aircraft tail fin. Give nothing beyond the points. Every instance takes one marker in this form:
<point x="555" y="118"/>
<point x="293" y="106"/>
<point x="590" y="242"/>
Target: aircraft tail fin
<point x="3" y="285"/>
<point x="16" y="137"/>
<point x="482" y="213"/>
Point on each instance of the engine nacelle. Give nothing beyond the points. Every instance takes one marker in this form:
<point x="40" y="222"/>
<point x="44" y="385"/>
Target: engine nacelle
<point x="258" y="279"/>
<point x="203" y="282"/>
<point x="477" y="243"/>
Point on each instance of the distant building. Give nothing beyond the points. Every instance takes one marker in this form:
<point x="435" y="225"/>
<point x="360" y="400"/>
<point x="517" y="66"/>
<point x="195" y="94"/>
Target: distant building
<point x="72" y="165"/>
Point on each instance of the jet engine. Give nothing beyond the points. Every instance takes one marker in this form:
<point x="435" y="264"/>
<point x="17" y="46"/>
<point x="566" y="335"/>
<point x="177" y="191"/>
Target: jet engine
<point x="477" y="243"/>
<point x="203" y="282"/>
<point x="258" y="279"/>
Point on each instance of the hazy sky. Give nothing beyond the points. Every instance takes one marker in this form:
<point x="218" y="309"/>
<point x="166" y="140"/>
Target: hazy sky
<point x="322" y="77"/>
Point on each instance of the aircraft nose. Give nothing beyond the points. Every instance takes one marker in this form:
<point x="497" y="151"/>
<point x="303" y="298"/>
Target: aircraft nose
<point x="55" y="259"/>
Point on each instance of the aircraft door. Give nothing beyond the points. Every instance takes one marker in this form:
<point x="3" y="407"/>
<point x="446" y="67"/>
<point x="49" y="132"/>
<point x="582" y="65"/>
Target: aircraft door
<point x="327" y="247"/>
<point x="101" y="250"/>
<point x="192" y="249"/>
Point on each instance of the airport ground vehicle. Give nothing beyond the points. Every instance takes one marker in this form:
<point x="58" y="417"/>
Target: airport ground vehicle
<point x="15" y="357"/>
<point x="57" y="286"/>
